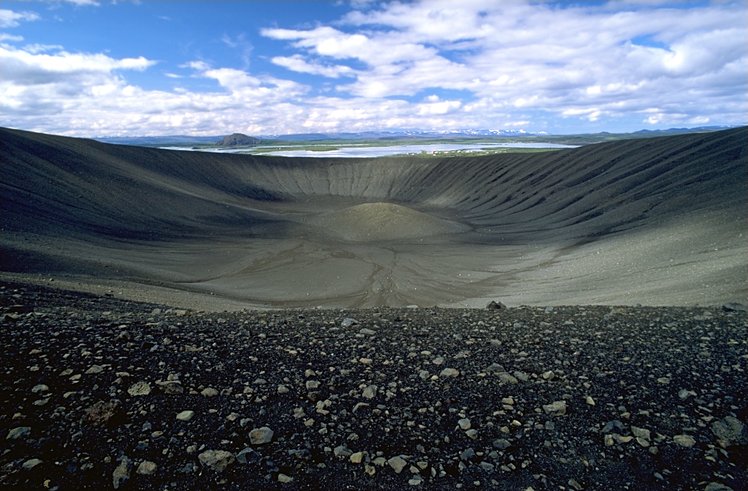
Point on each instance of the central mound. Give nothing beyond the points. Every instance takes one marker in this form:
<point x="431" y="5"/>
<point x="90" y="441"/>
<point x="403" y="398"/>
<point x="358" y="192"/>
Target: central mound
<point x="383" y="221"/>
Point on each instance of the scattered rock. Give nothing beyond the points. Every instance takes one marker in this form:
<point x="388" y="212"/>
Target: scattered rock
<point x="730" y="431"/>
<point x="209" y="392"/>
<point x="261" y="436"/>
<point x="397" y="463"/>
<point x="37" y="389"/>
<point x="248" y="456"/>
<point x="146" y="468"/>
<point x="217" y="460"/>
<point x="507" y="378"/>
<point x="110" y="412"/>
<point x="716" y="486"/>
<point x="19" y="433"/>
<point x="370" y="392"/>
<point x="494" y="305"/>
<point x="139" y="389"/>
<point x="684" y="440"/>
<point x="342" y="451"/>
<point x="501" y="444"/>
<point x="449" y="372"/>
<point x="30" y="464"/>
<point x="557" y="408"/>
<point x="94" y="369"/>
<point x="185" y="415"/>
<point x="348" y="322"/>
<point x="121" y="473"/>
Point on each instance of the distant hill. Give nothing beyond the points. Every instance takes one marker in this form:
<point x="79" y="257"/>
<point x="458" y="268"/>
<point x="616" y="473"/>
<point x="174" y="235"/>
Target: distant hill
<point x="238" y="140"/>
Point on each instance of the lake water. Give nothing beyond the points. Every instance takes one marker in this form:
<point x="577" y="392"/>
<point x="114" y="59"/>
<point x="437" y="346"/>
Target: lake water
<point x="367" y="151"/>
<point x="353" y="150"/>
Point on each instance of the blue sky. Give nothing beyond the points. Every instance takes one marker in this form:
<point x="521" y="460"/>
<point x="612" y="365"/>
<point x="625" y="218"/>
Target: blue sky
<point x="109" y="68"/>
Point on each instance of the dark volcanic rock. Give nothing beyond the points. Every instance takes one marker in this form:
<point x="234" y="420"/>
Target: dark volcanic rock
<point x="238" y="140"/>
<point x="573" y="398"/>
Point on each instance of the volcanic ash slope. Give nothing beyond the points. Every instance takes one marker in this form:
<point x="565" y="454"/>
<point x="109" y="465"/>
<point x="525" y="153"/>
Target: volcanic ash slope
<point x="657" y="221"/>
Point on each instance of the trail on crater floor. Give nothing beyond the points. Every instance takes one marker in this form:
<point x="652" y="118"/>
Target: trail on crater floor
<point x="658" y="221"/>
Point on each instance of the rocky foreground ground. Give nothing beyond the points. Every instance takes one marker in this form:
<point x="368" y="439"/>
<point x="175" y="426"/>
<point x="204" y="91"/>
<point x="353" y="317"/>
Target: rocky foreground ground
<point x="103" y="393"/>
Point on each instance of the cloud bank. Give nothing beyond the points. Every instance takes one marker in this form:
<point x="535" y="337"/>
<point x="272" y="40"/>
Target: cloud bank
<point x="432" y="64"/>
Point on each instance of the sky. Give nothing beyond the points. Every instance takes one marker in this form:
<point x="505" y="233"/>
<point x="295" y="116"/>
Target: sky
<point x="167" y="67"/>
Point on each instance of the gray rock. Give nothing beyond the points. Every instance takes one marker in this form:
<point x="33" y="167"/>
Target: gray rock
<point x="39" y="388"/>
<point x="146" y="468"/>
<point x="641" y="433"/>
<point x="684" y="394"/>
<point x="370" y="392"/>
<point x="185" y="415"/>
<point x="464" y="423"/>
<point x="31" y="463"/>
<point x="716" y="486"/>
<point x="216" y="460"/>
<point x="507" y="378"/>
<point x="367" y="332"/>
<point x="260" y="436"/>
<point x="611" y="425"/>
<point x="19" y="433"/>
<point x="121" y="473"/>
<point x="248" y="456"/>
<point x="449" y="372"/>
<point x="282" y="478"/>
<point x="348" y="322"/>
<point x="171" y="387"/>
<point x="94" y="369"/>
<point x="731" y="431"/>
<point x="357" y="457"/>
<point x="501" y="444"/>
<point x="494" y="305"/>
<point x="556" y="408"/>
<point x="139" y="389"/>
<point x="684" y="440"/>
<point x="521" y="376"/>
<point x="342" y="451"/>
<point x="397" y="463"/>
<point x="209" y="392"/>
<point x="467" y="454"/>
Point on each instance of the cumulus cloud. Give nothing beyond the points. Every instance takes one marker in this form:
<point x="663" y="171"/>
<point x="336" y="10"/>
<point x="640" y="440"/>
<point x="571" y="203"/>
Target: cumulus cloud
<point x="10" y="18"/>
<point x="297" y="63"/>
<point x="583" y="61"/>
<point x="427" y="64"/>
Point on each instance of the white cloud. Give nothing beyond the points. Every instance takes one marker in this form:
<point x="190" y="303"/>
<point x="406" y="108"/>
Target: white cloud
<point x="297" y="63"/>
<point x="427" y="64"/>
<point x="10" y="37"/>
<point x="9" y="18"/>
<point x="91" y="3"/>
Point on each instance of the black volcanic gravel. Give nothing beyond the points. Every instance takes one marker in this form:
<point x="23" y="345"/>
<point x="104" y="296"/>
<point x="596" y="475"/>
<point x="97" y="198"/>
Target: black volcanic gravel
<point x="561" y="398"/>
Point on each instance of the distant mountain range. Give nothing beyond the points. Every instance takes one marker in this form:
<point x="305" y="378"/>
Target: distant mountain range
<point x="186" y="140"/>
